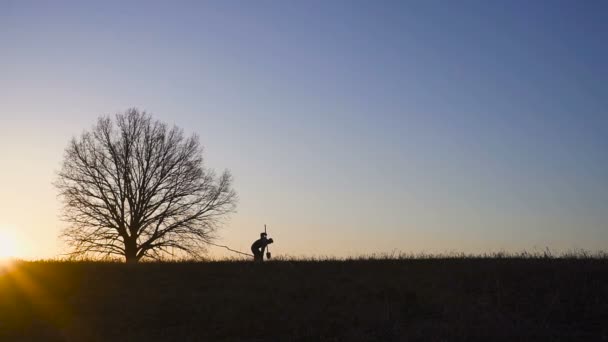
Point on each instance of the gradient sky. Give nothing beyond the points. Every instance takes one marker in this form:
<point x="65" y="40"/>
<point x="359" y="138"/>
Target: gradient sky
<point x="350" y="127"/>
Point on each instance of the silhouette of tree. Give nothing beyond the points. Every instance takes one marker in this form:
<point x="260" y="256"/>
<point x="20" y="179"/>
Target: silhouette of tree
<point x="136" y="188"/>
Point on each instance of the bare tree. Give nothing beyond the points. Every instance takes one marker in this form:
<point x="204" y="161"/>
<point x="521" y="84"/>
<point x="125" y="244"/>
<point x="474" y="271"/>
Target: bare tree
<point x="136" y="188"/>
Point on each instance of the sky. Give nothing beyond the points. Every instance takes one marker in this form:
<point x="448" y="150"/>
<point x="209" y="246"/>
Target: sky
<point x="350" y="127"/>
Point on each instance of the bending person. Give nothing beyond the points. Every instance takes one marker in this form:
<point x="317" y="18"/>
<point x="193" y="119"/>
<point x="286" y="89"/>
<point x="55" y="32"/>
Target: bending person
<point x="259" y="246"/>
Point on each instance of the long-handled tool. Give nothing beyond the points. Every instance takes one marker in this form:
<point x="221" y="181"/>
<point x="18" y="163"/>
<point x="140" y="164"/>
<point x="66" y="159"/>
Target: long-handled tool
<point x="268" y="255"/>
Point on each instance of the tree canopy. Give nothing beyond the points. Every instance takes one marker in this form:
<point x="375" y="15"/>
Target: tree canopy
<point x="134" y="187"/>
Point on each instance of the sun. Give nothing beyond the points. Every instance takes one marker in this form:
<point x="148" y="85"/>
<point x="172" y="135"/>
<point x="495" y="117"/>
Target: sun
<point x="8" y="245"/>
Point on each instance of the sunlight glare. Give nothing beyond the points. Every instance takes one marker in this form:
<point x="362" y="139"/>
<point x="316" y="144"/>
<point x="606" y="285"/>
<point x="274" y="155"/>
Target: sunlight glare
<point x="8" y="245"/>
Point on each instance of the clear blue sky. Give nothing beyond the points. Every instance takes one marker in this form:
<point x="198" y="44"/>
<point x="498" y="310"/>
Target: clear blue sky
<point x="350" y="126"/>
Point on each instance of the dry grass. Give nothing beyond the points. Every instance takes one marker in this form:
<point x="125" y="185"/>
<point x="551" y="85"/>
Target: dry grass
<point x="387" y="298"/>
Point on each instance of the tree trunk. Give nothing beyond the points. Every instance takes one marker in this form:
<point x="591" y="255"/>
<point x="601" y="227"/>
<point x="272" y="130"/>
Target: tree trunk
<point x="131" y="251"/>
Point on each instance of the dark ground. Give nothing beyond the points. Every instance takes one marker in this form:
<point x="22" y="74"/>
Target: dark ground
<point x="366" y="300"/>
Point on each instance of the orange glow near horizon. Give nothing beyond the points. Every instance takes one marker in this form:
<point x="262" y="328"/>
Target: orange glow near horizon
<point x="9" y="247"/>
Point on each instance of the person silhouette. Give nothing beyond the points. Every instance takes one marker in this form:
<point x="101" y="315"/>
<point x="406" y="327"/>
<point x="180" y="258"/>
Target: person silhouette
<point x="258" y="247"/>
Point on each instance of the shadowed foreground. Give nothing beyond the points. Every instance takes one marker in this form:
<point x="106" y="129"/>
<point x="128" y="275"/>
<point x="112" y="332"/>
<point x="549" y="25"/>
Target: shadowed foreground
<point x="382" y="300"/>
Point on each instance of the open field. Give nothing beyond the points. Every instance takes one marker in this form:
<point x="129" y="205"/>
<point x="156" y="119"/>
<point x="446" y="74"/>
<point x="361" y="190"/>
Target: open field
<point x="359" y="300"/>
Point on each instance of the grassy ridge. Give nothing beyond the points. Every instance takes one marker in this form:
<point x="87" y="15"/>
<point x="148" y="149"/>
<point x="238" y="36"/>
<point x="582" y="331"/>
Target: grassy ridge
<point x="358" y="300"/>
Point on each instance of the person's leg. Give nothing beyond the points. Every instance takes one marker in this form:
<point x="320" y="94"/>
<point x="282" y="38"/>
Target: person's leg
<point x="257" y="256"/>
